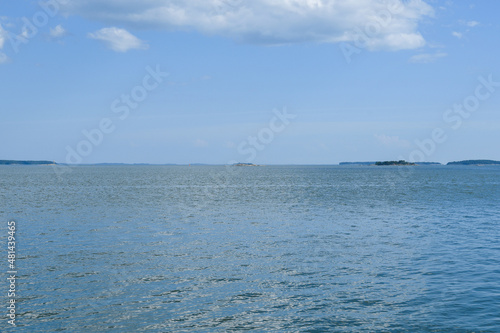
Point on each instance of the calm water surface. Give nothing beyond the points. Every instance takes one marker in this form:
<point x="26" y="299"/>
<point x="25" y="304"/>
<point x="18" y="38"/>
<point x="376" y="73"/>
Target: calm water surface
<point x="291" y="249"/>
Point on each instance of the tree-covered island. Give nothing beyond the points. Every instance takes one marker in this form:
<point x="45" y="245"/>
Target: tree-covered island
<point x="475" y="162"/>
<point x="400" y="162"/>
<point x="12" y="162"/>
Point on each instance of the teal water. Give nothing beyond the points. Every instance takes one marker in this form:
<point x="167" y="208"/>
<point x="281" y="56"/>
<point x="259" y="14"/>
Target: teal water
<point x="290" y="249"/>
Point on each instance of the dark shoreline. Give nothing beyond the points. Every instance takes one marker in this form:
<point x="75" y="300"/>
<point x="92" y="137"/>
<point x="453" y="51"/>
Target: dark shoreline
<point x="388" y="163"/>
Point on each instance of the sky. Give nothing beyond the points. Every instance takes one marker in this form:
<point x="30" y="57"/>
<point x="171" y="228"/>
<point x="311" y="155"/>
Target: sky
<point x="261" y="81"/>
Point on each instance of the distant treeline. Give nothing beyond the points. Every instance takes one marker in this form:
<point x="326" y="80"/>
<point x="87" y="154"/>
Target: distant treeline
<point x="357" y="163"/>
<point x="400" y="162"/>
<point x="244" y="164"/>
<point x="389" y="163"/>
<point x="475" y="162"/>
<point x="9" y="162"/>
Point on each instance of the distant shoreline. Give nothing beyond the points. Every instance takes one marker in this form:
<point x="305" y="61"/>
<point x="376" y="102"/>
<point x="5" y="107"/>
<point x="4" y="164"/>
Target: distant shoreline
<point x="475" y="162"/>
<point x="14" y="162"/>
<point x="388" y="163"/>
<point x="404" y="163"/>
<point x="384" y="163"/>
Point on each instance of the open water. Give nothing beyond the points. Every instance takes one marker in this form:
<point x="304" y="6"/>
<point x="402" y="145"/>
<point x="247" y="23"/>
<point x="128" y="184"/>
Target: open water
<point x="274" y="248"/>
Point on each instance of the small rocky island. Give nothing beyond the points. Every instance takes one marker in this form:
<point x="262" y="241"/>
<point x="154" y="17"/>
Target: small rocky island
<point x="475" y="162"/>
<point x="245" y="164"/>
<point x="400" y="162"/>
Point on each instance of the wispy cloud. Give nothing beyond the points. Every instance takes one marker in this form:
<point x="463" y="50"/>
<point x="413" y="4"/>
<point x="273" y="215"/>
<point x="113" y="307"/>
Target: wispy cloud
<point x="470" y="24"/>
<point x="270" y="21"/>
<point x="3" y="58"/>
<point x="392" y="141"/>
<point x="200" y="143"/>
<point x="58" y="32"/>
<point x="119" y="40"/>
<point x="3" y="35"/>
<point x="6" y="21"/>
<point x="425" y="58"/>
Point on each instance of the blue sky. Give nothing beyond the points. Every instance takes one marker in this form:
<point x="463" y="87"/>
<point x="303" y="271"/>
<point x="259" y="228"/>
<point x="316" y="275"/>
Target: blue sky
<point x="272" y="82"/>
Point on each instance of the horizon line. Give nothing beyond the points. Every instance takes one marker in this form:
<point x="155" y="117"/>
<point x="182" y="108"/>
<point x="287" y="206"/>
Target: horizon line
<point x="366" y="163"/>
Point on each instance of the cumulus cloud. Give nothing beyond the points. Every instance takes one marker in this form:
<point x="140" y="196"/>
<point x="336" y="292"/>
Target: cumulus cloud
<point x="119" y="40"/>
<point x="426" y="58"/>
<point x="472" y="23"/>
<point x="391" y="24"/>
<point x="58" y="32"/>
<point x="457" y="34"/>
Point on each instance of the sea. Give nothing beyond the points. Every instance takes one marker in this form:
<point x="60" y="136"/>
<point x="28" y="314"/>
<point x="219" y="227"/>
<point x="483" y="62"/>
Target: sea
<point x="138" y="248"/>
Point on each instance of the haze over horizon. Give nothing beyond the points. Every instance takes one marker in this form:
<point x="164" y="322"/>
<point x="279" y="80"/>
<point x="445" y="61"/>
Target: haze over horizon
<point x="222" y="81"/>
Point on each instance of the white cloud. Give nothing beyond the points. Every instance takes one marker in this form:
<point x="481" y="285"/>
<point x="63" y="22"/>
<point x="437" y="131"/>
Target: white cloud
<point x="393" y="23"/>
<point x="7" y="22"/>
<point x="119" y="40"/>
<point x="3" y="58"/>
<point x="470" y="24"/>
<point x="426" y="58"/>
<point x="392" y="141"/>
<point x="457" y="34"/>
<point x="58" y="32"/>
<point x="3" y="35"/>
